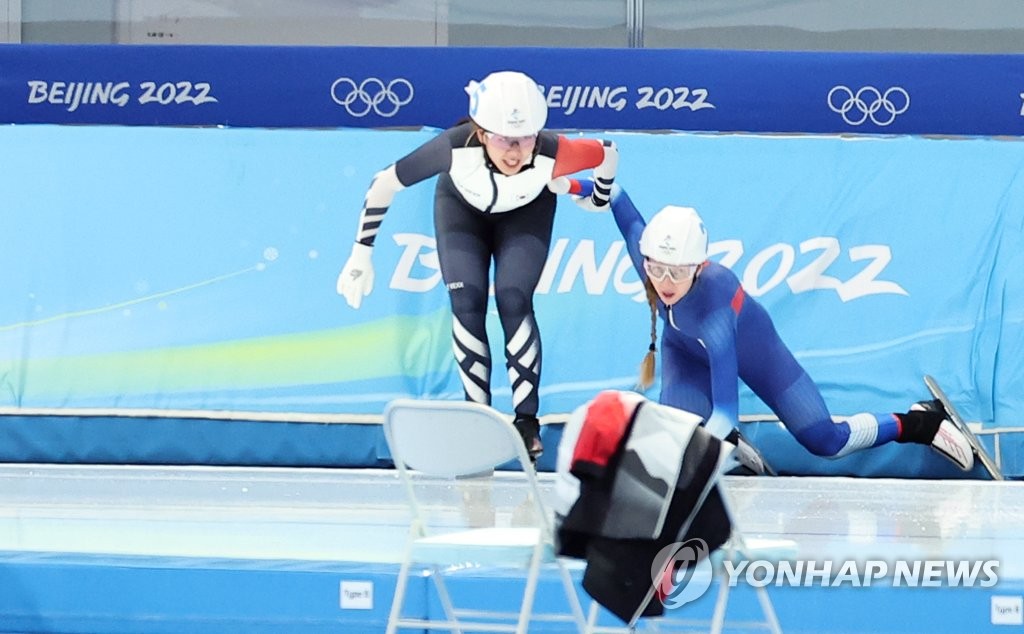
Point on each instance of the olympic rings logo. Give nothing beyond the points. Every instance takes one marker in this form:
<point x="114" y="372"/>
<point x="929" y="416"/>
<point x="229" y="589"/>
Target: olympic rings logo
<point x="869" y="103"/>
<point x="371" y="95"/>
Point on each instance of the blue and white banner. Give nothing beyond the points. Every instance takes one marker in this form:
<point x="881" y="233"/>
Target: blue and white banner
<point x="597" y="89"/>
<point x="195" y="269"/>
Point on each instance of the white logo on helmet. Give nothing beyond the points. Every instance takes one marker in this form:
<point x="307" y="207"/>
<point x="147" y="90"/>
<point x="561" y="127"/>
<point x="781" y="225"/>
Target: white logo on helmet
<point x="507" y="103"/>
<point x="515" y="119"/>
<point x="675" y="235"/>
<point x="667" y="249"/>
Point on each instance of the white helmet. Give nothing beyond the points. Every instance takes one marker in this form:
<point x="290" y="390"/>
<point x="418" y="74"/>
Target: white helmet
<point x="675" y="235"/>
<point x="508" y="103"/>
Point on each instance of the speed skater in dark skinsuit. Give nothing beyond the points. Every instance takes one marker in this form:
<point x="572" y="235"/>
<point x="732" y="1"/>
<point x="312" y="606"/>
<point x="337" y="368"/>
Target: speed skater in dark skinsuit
<point x="492" y="202"/>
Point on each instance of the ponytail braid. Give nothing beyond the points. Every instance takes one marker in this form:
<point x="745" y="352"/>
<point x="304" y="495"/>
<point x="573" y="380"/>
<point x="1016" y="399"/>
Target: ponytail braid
<point x="647" y="366"/>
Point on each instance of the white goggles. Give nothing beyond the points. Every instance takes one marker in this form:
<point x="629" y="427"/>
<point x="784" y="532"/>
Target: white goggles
<point x="678" y="273"/>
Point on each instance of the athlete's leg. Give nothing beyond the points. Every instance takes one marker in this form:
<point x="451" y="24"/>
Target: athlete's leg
<point x="802" y="409"/>
<point x="464" y="254"/>
<point x="768" y="367"/>
<point x="522" y="239"/>
<point x="685" y="380"/>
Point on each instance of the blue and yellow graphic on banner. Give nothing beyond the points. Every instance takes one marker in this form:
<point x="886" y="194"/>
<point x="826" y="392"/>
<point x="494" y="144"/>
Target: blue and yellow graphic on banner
<point x="195" y="268"/>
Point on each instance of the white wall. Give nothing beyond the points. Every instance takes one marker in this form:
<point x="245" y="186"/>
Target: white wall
<point x="981" y="26"/>
<point x="995" y="26"/>
<point x="66" y="21"/>
<point x="10" y="21"/>
<point x="287" y="22"/>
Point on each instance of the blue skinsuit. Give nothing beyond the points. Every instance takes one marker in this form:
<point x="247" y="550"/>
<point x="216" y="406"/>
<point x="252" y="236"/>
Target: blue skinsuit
<point x="717" y="333"/>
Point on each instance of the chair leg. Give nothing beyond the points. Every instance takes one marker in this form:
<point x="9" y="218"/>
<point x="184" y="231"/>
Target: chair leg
<point x="446" y="599"/>
<point x="398" y="601"/>
<point x="572" y="598"/>
<point x="402" y="583"/>
<point x="721" y="603"/>
<point x="526" y="609"/>
<point x="768" y="609"/>
<point x="592" y="617"/>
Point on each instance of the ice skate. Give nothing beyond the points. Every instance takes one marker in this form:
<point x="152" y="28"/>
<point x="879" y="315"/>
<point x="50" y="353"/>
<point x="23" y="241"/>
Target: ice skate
<point x="953" y="418"/>
<point x="529" y="429"/>
<point x="928" y="423"/>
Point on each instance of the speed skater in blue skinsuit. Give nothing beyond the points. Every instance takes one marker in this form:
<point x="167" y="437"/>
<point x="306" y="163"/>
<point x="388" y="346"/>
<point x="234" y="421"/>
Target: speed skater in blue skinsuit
<point x="714" y="333"/>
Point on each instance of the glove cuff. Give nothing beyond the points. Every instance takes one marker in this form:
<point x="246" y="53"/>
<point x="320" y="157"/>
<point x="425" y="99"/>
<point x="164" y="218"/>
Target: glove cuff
<point x="559" y="185"/>
<point x="361" y="250"/>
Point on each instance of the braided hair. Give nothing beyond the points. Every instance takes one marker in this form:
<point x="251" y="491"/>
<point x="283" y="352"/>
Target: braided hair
<point x="647" y="366"/>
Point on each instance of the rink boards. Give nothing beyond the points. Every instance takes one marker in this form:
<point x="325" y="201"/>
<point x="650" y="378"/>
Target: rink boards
<point x="220" y="549"/>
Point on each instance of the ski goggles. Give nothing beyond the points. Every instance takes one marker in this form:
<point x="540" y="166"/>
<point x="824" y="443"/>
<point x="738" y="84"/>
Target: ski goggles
<point x="508" y="142"/>
<point x="677" y="273"/>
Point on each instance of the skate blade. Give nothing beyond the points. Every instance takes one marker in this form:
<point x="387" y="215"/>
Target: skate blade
<point x="954" y="417"/>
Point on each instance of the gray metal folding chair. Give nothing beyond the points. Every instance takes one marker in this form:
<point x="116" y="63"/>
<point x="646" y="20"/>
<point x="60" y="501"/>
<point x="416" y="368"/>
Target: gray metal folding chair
<point x="449" y="440"/>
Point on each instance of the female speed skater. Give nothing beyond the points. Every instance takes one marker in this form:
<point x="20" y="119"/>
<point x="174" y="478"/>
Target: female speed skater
<point x="715" y="334"/>
<point x="491" y="202"/>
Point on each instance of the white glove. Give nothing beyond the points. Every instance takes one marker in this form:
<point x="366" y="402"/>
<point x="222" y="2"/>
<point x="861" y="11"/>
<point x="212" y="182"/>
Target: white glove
<point x="559" y="185"/>
<point x="562" y="184"/>
<point x="587" y="204"/>
<point x="356" y="280"/>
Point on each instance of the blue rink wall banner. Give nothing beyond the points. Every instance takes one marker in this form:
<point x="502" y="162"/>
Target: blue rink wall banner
<point x="195" y="269"/>
<point x="598" y="89"/>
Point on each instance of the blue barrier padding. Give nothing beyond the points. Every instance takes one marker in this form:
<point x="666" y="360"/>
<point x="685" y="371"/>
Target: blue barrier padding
<point x="57" y="593"/>
<point x="171" y="441"/>
<point x="849" y="609"/>
<point x="176" y="441"/>
<point x="51" y="593"/>
<point x="185" y="441"/>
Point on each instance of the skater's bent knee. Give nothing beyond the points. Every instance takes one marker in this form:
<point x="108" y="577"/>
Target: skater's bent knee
<point x="822" y="441"/>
